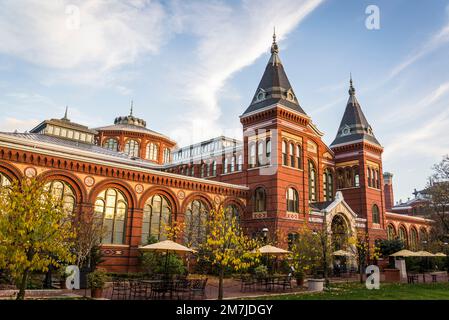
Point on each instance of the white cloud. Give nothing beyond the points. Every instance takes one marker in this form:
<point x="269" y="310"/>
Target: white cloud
<point x="10" y="124"/>
<point x="110" y="34"/>
<point x="230" y="38"/>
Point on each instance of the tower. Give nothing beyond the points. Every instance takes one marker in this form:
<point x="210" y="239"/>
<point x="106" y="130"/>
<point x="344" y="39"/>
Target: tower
<point x="284" y="154"/>
<point x="358" y="162"/>
<point x="388" y="190"/>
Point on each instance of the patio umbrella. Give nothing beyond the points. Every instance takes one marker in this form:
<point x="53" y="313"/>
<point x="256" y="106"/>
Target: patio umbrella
<point x="440" y="254"/>
<point x="404" y="253"/>
<point x="424" y="254"/>
<point x="166" y="246"/>
<point x="342" y="253"/>
<point x="275" y="251"/>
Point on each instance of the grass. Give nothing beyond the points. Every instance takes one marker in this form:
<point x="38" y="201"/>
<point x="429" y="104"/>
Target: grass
<point x="357" y="291"/>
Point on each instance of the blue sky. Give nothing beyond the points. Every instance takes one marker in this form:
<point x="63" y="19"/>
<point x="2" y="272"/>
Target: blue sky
<point x="192" y="67"/>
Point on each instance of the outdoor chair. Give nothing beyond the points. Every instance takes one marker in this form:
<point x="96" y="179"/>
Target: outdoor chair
<point x="158" y="290"/>
<point x="182" y="288"/>
<point x="120" y="289"/>
<point x="248" y="282"/>
<point x="198" y="288"/>
<point x="284" y="282"/>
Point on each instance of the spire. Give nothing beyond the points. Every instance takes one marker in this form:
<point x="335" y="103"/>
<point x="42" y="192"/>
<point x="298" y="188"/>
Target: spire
<point x="274" y="87"/>
<point x="65" y="114"/>
<point x="132" y="105"/>
<point x="353" y="125"/>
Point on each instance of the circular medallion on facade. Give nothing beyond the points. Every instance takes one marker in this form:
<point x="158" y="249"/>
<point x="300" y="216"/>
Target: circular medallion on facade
<point x="181" y="195"/>
<point x="89" y="181"/>
<point x="30" y="172"/>
<point x="138" y="188"/>
<point x="217" y="200"/>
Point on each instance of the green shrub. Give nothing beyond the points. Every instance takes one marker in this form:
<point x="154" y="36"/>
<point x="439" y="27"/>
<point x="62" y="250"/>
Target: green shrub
<point x="154" y="263"/>
<point x="97" y="279"/>
<point x="261" y="271"/>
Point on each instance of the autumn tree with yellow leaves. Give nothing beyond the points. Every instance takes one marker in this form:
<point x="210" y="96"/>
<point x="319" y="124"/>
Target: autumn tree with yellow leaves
<point x="35" y="231"/>
<point x="363" y="251"/>
<point x="226" y="247"/>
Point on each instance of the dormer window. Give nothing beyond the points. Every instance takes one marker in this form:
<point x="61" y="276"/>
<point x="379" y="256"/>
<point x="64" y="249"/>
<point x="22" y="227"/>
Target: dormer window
<point x="346" y="130"/>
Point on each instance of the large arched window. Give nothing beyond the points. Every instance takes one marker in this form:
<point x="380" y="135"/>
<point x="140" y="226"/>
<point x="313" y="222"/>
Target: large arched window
<point x="312" y="182"/>
<point x="376" y="214"/>
<point x="152" y="151"/>
<point x="233" y="164"/>
<point x="292" y="200"/>
<point x="132" y="148"/>
<point x="260" y="153"/>
<point x="62" y="191"/>
<point x="195" y="223"/>
<point x="111" y="210"/>
<point x="356" y="177"/>
<point x="156" y="216"/>
<point x="391" y="233"/>
<point x="240" y="163"/>
<point x="413" y="239"/>
<point x="298" y="157"/>
<point x="214" y="168"/>
<point x="328" y="185"/>
<point x="340" y="179"/>
<point x="252" y="155"/>
<point x="291" y="152"/>
<point x="268" y="151"/>
<point x="403" y="235"/>
<point x="284" y="153"/>
<point x="4" y="180"/>
<point x="260" y="200"/>
<point x="226" y="165"/>
<point x="111" y="144"/>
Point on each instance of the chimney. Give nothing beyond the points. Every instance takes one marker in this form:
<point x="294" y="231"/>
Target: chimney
<point x="388" y="191"/>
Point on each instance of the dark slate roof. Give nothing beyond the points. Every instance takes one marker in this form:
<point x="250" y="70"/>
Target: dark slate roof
<point x="274" y="86"/>
<point x="353" y="125"/>
<point x="320" y="205"/>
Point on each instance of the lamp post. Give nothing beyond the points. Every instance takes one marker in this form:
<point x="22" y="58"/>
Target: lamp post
<point x="265" y="235"/>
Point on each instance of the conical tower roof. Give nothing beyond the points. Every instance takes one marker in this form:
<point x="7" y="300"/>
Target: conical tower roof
<point x="353" y="125"/>
<point x="274" y="87"/>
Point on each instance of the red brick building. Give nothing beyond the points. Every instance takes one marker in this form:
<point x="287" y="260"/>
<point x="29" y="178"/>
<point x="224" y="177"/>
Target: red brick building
<point x="280" y="177"/>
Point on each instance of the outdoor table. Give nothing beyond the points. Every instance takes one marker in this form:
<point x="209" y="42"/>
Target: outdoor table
<point x="167" y="286"/>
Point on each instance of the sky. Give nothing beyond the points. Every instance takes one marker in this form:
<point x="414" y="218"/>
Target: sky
<point x="191" y="67"/>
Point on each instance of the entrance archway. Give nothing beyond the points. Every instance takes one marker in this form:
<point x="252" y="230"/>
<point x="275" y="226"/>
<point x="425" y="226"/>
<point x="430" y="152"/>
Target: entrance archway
<point x="340" y="233"/>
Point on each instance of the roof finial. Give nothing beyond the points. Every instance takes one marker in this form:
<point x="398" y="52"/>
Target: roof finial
<point x="65" y="114"/>
<point x="274" y="46"/>
<point x="132" y="105"/>
<point x="351" y="87"/>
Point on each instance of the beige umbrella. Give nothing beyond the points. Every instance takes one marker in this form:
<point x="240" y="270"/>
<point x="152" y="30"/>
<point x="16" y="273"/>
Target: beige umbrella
<point x="424" y="254"/>
<point x="342" y="253"/>
<point x="271" y="250"/>
<point x="439" y="254"/>
<point x="167" y="246"/>
<point x="404" y="253"/>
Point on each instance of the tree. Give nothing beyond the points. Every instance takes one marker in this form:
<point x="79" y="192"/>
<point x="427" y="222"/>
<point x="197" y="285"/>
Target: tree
<point x="35" y="231"/>
<point x="226" y="247"/>
<point x="306" y="251"/>
<point x="360" y="246"/>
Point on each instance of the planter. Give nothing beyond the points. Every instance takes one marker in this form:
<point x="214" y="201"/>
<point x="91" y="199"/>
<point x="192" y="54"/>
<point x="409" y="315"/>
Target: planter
<point x="392" y="275"/>
<point x="315" y="285"/>
<point x="96" y="293"/>
<point x="300" y="281"/>
<point x="62" y="284"/>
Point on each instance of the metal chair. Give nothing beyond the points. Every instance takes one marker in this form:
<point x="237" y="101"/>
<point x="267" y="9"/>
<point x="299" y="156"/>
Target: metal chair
<point x="198" y="288"/>
<point x="247" y="282"/>
<point x="120" y="289"/>
<point x="138" y="289"/>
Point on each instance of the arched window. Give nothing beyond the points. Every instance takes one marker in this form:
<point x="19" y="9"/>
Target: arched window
<point x="291" y="150"/>
<point x="233" y="211"/>
<point x="156" y="216"/>
<point x="203" y="170"/>
<point x="284" y="153"/>
<point x="348" y="179"/>
<point x="260" y="153"/>
<point x="111" y="144"/>
<point x="214" y="168"/>
<point x="312" y="182"/>
<point x="377" y="179"/>
<point x="252" y="155"/>
<point x="226" y="165"/>
<point x="192" y="170"/>
<point x="298" y="157"/>
<point x="268" y="151"/>
<point x="152" y="151"/>
<point x="195" y="223"/>
<point x="368" y="172"/>
<point x="240" y="163"/>
<point x="208" y="169"/>
<point x="260" y="200"/>
<point x="373" y="179"/>
<point x="166" y="155"/>
<point x="62" y="191"/>
<point x="233" y="164"/>
<point x="4" y="180"/>
<point x="340" y="179"/>
<point x="328" y="192"/>
<point x="413" y="239"/>
<point x="132" y="148"/>
<point x="423" y="235"/>
<point x="403" y="235"/>
<point x="111" y="210"/>
<point x="356" y="177"/>
<point x="292" y="200"/>
<point x="391" y="233"/>
<point x="376" y="214"/>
